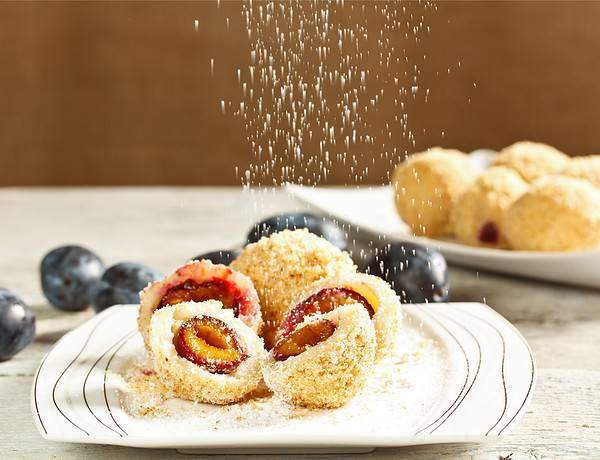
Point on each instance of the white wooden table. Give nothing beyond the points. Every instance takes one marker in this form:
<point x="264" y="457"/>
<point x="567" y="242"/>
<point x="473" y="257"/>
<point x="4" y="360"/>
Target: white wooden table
<point x="163" y="227"/>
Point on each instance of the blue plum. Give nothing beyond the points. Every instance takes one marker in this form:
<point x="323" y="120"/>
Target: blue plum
<point x="121" y="284"/>
<point x="320" y="226"/>
<point x="418" y="274"/>
<point x="67" y="274"/>
<point x="223" y="256"/>
<point x="17" y="324"/>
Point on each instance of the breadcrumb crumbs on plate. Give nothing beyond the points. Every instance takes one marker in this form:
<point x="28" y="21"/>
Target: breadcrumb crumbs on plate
<point x="400" y="390"/>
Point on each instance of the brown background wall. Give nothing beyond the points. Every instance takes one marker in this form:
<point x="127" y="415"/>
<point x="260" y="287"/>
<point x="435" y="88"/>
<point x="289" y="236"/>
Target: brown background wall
<point x="121" y="93"/>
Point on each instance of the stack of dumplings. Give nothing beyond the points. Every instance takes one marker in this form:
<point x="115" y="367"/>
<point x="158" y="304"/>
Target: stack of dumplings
<point x="531" y="198"/>
<point x="312" y="330"/>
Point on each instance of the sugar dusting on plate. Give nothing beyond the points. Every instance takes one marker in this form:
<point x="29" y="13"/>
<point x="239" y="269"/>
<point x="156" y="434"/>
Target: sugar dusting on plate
<point x="399" y="393"/>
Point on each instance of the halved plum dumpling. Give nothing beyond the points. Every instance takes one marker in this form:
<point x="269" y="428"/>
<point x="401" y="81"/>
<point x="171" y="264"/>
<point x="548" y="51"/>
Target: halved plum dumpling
<point x="371" y="292"/>
<point x="302" y="338"/>
<point x="325" y="361"/>
<point x="215" y="289"/>
<point x="202" y="352"/>
<point x="323" y="301"/>
<point x="198" y="281"/>
<point x="208" y="342"/>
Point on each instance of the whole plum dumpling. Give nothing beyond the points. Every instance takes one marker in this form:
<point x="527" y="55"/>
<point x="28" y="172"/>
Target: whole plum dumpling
<point x="426" y="187"/>
<point x="557" y="213"/>
<point x="283" y="265"/>
<point x="532" y="160"/>
<point x="585" y="167"/>
<point x="477" y="215"/>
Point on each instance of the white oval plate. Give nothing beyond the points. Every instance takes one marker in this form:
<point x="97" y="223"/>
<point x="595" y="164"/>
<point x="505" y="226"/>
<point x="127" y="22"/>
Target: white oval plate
<point x="467" y="375"/>
<point x="372" y="209"/>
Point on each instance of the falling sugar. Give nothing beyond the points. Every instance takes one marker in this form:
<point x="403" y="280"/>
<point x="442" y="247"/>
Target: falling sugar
<point x="319" y="74"/>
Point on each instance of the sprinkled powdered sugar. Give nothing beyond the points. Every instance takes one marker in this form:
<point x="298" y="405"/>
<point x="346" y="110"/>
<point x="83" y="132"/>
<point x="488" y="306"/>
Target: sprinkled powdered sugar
<point x="319" y="77"/>
<point x="400" y="392"/>
<point x="314" y="117"/>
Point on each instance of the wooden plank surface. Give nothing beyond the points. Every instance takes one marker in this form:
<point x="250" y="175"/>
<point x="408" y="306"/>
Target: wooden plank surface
<point x="163" y="227"/>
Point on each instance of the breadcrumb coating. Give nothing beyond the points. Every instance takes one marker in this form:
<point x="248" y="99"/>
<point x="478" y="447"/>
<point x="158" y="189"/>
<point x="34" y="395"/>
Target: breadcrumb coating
<point x="427" y="185"/>
<point x="587" y="167"/>
<point x="532" y="160"/>
<point x="384" y="300"/>
<point x="187" y="380"/>
<point x="557" y="213"/>
<point x="200" y="271"/>
<point x="282" y="265"/>
<point x="333" y="371"/>
<point x="484" y="203"/>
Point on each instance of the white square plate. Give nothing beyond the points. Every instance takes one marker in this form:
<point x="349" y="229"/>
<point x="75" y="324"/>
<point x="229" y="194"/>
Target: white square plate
<point x="466" y="374"/>
<point x="372" y="209"/>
